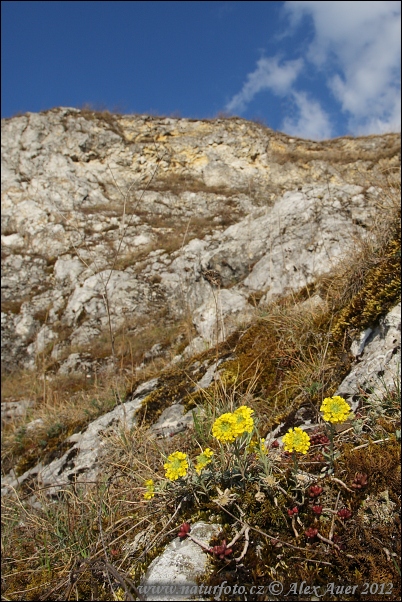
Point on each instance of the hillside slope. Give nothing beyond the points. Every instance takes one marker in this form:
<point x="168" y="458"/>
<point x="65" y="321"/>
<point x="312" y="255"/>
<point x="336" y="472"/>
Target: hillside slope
<point x="159" y="273"/>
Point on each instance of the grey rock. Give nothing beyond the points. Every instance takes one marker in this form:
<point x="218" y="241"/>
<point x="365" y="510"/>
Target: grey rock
<point x="221" y="314"/>
<point x="208" y="377"/>
<point x="360" y="342"/>
<point x="178" y="566"/>
<point x="76" y="362"/>
<point x="172" y="421"/>
<point x="11" y="410"/>
<point x="378" y="365"/>
<point x="34" y="425"/>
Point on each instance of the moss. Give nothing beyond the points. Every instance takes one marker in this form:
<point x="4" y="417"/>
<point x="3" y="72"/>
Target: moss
<point x="173" y="386"/>
<point x="381" y="290"/>
<point x="255" y="349"/>
<point x="380" y="461"/>
<point x="267" y="514"/>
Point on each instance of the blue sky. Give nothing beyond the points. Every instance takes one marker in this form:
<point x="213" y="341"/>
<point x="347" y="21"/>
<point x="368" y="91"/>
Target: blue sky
<point x="311" y="69"/>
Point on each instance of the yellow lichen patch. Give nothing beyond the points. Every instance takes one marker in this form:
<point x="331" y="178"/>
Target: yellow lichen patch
<point x="200" y="161"/>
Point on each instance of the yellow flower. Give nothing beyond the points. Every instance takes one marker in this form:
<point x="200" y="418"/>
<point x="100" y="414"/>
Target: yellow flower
<point x="224" y="428"/>
<point x="263" y="447"/>
<point x="244" y="422"/>
<point x="203" y="459"/>
<point x="253" y="447"/>
<point x="150" y="492"/>
<point x="335" y="409"/>
<point x="176" y="466"/>
<point x="296" y="440"/>
<point x="120" y="594"/>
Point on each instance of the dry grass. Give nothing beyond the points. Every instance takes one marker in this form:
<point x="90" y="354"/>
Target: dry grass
<point x="180" y="182"/>
<point x="334" y="156"/>
<point x="13" y="307"/>
<point x="104" y="116"/>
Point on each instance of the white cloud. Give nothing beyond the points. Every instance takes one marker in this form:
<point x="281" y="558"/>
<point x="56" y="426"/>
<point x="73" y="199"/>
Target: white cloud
<point x="269" y="75"/>
<point x="355" y="50"/>
<point x="360" y="41"/>
<point x="312" y="121"/>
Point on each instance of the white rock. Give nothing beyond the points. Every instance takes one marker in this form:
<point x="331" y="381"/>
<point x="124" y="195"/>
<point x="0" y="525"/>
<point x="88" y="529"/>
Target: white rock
<point x="211" y="319"/>
<point x="378" y="370"/>
<point x="44" y="337"/>
<point x="172" y="421"/>
<point x="141" y="239"/>
<point x="359" y="343"/>
<point x="68" y="267"/>
<point x="15" y="241"/>
<point x="25" y="326"/>
<point x="178" y="566"/>
<point x="34" y="425"/>
<point x="15" y="409"/>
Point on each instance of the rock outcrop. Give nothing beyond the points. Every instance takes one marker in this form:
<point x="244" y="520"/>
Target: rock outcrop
<point x="122" y="217"/>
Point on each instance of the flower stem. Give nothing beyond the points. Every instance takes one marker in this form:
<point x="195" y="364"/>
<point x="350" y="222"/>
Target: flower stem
<point x="331" y="446"/>
<point x="295" y="466"/>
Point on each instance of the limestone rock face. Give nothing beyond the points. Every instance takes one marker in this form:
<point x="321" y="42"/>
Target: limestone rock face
<point x="108" y="217"/>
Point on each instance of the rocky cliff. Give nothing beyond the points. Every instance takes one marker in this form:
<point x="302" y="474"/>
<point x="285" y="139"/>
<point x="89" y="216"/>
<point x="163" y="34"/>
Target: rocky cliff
<point x="158" y="272"/>
<point x="145" y="209"/>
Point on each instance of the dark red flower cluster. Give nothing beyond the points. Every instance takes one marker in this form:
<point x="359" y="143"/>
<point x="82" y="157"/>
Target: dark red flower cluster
<point x="344" y="513"/>
<point x="319" y="439"/>
<point x="315" y="490"/>
<point x="293" y="511"/>
<point x="317" y="457"/>
<point x="317" y="510"/>
<point x="360" y="480"/>
<point x="311" y="533"/>
<point x="221" y="551"/>
<point x="184" y="530"/>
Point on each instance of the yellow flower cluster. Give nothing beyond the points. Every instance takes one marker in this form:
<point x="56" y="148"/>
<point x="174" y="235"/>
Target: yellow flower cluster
<point x="296" y="440"/>
<point x="203" y="459"/>
<point x="176" y="466"/>
<point x="229" y="426"/>
<point x="150" y="492"/>
<point x="223" y="428"/>
<point x="335" y="409"/>
<point x="244" y="421"/>
<point x="255" y="445"/>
